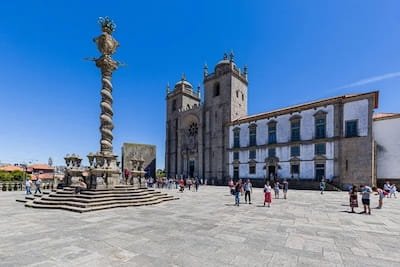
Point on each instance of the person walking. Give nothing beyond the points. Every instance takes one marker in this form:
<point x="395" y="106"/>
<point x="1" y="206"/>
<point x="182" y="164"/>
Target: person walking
<point x="353" y="198"/>
<point x="196" y="184"/>
<point x="267" y="194"/>
<point x="276" y="188"/>
<point x="238" y="191"/>
<point x="169" y="183"/>
<point x="285" y="187"/>
<point x="365" y="198"/>
<point x="176" y="182"/>
<point x="381" y="195"/>
<point x="393" y="190"/>
<point x="386" y="187"/>
<point x="248" y="190"/>
<point x="28" y="184"/>
<point x="322" y="186"/>
<point x="231" y="187"/>
<point x="38" y="183"/>
<point x="181" y="185"/>
<point x="189" y="183"/>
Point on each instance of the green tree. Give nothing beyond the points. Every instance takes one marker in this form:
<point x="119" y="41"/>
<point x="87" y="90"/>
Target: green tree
<point x="12" y="176"/>
<point x="160" y="173"/>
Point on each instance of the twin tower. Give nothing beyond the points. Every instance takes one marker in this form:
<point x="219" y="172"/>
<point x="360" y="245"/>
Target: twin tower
<point x="197" y="135"/>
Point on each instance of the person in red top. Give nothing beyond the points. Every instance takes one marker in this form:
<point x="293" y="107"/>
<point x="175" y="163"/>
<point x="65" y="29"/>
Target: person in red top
<point x="181" y="185"/>
<point x="267" y="194"/>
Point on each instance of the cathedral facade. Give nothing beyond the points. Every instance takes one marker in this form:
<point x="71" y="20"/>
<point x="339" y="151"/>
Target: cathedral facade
<point x="216" y="139"/>
<point x="197" y="137"/>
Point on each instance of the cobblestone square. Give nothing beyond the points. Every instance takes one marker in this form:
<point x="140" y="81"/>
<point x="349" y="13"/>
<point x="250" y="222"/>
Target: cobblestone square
<point x="204" y="229"/>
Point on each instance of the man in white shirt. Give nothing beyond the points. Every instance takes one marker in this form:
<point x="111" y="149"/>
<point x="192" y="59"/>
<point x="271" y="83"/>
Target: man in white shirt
<point x="28" y="184"/>
<point x="365" y="198"/>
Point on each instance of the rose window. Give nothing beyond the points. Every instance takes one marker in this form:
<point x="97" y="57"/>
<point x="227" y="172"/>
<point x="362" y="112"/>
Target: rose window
<point x="193" y="129"/>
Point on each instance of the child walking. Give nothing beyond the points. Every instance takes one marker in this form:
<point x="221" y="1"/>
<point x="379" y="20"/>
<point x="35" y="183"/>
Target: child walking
<point x="267" y="194"/>
<point x="353" y="198"/>
<point x="381" y="194"/>
<point x="276" y="189"/>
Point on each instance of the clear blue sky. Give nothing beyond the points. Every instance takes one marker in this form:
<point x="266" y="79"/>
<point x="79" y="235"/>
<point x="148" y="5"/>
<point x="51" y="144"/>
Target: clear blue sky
<point x="296" y="51"/>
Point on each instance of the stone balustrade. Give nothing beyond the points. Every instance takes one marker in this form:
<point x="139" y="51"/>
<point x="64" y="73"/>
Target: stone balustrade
<point x="20" y="186"/>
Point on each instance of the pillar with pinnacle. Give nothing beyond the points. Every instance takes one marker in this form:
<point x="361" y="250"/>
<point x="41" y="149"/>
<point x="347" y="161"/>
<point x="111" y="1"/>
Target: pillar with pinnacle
<point x="104" y="169"/>
<point x="107" y="46"/>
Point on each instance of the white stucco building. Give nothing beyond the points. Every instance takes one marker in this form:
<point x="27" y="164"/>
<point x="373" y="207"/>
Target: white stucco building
<point x="329" y="138"/>
<point x="386" y="129"/>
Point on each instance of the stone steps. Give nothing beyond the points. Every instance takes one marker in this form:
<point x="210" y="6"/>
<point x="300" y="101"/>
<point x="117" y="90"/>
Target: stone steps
<point x="95" y="208"/>
<point x="87" y="195"/>
<point x="91" y="200"/>
<point x="100" y="203"/>
<point x="85" y="199"/>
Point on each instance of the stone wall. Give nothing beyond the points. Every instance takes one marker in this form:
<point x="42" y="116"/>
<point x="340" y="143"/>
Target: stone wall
<point x="148" y="152"/>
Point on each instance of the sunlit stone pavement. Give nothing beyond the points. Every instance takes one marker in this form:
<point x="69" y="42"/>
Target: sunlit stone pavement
<point x="204" y="229"/>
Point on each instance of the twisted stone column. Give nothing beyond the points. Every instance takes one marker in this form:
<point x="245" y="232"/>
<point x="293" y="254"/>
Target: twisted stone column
<point x="107" y="66"/>
<point x="107" y="46"/>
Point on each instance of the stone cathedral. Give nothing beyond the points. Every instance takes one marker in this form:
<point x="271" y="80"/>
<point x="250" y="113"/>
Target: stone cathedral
<point x="197" y="139"/>
<point x="332" y="138"/>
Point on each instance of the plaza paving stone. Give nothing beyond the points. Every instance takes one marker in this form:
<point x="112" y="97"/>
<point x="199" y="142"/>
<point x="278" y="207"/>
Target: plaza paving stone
<point x="204" y="229"/>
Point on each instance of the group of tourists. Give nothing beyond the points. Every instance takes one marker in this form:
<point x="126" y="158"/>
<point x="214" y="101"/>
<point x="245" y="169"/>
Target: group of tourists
<point x="192" y="184"/>
<point x="29" y="183"/>
<point x="388" y="190"/>
<point x="238" y="189"/>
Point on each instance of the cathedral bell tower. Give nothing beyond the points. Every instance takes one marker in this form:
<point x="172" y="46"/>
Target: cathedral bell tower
<point x="225" y="93"/>
<point x="183" y="120"/>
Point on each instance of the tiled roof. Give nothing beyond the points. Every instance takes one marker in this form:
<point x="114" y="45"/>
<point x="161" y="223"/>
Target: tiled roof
<point x="11" y="168"/>
<point x="40" y="167"/>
